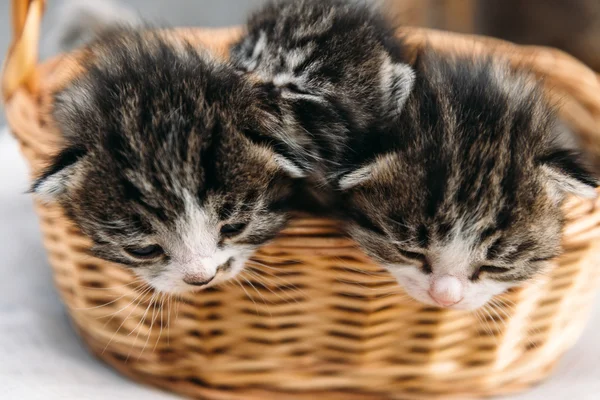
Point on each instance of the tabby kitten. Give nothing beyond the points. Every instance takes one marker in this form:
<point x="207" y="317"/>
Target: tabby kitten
<point x="335" y="65"/>
<point x="465" y="202"/>
<point x="159" y="166"/>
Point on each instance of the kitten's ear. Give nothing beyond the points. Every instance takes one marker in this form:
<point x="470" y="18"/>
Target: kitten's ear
<point x="375" y="169"/>
<point x="567" y="173"/>
<point x="398" y="81"/>
<point x="59" y="175"/>
<point x="289" y="167"/>
<point x="356" y="177"/>
<point x="275" y="144"/>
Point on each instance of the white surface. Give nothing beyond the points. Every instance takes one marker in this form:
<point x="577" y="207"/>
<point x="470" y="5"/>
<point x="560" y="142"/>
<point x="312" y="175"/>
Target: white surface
<point x="41" y="357"/>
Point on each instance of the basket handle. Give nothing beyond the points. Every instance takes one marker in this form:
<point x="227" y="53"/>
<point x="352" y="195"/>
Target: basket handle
<point x="22" y="57"/>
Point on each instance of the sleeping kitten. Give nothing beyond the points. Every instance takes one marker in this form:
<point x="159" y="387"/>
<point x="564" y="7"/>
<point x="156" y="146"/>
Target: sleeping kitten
<point x="335" y="65"/>
<point x="160" y="168"/>
<point x="465" y="202"/>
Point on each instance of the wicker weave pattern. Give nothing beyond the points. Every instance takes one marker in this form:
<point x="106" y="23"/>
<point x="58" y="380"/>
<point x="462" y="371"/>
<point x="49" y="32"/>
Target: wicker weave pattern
<point x="317" y="319"/>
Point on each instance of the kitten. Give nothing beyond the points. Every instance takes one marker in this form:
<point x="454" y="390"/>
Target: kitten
<point x="465" y="202"/>
<point x="159" y="166"/>
<point x="338" y="68"/>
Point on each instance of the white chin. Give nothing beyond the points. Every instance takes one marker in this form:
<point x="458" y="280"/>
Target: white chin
<point x="416" y="285"/>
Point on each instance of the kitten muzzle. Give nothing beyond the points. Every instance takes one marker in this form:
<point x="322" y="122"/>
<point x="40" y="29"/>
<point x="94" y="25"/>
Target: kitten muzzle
<point x="446" y="290"/>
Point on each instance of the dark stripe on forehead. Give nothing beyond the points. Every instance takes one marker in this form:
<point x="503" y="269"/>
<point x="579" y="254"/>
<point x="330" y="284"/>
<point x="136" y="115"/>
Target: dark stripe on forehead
<point x="226" y="210"/>
<point x="505" y="217"/>
<point x="442" y="230"/>
<point x="250" y="200"/>
<point x="208" y="159"/>
<point x="436" y="181"/>
<point x="423" y="236"/>
<point x="134" y="194"/>
<point x="487" y="233"/>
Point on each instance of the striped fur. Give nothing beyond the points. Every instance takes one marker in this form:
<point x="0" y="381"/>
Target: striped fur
<point x="335" y="65"/>
<point x="162" y="149"/>
<point x="469" y="185"/>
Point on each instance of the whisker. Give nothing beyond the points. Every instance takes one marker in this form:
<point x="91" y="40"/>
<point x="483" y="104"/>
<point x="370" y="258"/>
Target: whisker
<point x="259" y="294"/>
<point x="112" y="315"/>
<point x="142" y="321"/>
<point x="150" y="329"/>
<point x="483" y="322"/>
<point x="266" y="285"/>
<point x="101" y="305"/>
<point x="169" y="320"/>
<point x="492" y="332"/>
<point x="247" y="295"/>
<point x="177" y="302"/>
<point x="165" y="296"/>
<point x="127" y="317"/>
<point x="258" y="264"/>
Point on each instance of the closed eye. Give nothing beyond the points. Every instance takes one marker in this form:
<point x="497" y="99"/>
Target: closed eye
<point x="542" y="259"/>
<point x="422" y="258"/>
<point x="412" y="255"/>
<point x="149" y="252"/>
<point x="232" y="230"/>
<point x="490" y="269"/>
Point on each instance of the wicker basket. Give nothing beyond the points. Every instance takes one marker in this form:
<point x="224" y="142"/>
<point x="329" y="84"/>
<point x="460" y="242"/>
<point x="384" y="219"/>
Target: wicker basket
<point x="314" y="318"/>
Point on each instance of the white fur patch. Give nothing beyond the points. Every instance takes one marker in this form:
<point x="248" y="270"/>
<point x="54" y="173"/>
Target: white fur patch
<point x="194" y="252"/>
<point x="49" y="189"/>
<point x="356" y="177"/>
<point x="383" y="166"/>
<point x="560" y="184"/>
<point x="289" y="167"/>
<point x="281" y="80"/>
<point x="296" y="57"/>
<point x="397" y="81"/>
<point x="259" y="47"/>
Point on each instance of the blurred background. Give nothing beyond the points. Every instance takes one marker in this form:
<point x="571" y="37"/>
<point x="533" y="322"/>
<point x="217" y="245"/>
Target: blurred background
<point x="41" y="357"/>
<point x="570" y="25"/>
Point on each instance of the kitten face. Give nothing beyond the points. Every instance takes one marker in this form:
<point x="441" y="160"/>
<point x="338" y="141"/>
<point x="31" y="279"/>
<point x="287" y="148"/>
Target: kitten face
<point x="468" y="204"/>
<point x="454" y="258"/>
<point x="160" y="168"/>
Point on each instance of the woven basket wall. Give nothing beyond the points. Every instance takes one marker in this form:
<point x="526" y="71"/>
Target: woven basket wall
<point x="314" y="318"/>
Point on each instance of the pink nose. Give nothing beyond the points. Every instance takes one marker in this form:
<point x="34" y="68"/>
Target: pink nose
<point x="446" y="290"/>
<point x="197" y="280"/>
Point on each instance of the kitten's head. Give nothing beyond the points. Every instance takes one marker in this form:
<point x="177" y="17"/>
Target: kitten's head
<point x="337" y="54"/>
<point x="161" y="166"/>
<point x="467" y="204"/>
